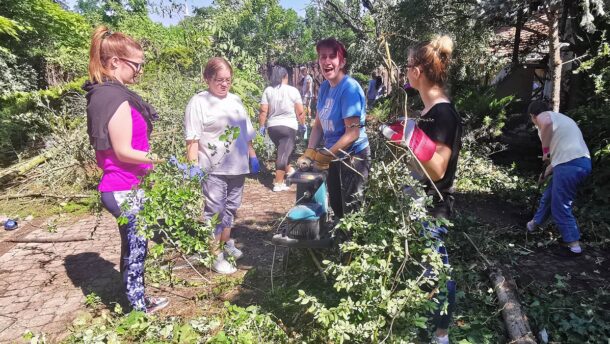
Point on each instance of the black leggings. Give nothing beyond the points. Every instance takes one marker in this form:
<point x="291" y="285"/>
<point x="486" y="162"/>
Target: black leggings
<point x="283" y="138"/>
<point x="346" y="187"/>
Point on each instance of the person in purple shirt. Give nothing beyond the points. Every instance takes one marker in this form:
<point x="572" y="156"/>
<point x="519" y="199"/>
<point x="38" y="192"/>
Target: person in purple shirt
<point x="119" y="124"/>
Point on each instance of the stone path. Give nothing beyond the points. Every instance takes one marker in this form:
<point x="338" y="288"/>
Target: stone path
<point x="43" y="285"/>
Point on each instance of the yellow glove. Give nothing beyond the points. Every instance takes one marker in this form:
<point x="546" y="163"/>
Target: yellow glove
<point x="322" y="161"/>
<point x="305" y="161"/>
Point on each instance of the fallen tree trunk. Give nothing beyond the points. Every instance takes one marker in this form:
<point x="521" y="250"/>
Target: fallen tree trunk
<point x="48" y="240"/>
<point x="42" y="195"/>
<point x="516" y="323"/>
<point x="20" y="169"/>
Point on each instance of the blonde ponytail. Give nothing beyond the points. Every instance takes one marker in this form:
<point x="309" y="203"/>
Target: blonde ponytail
<point x="433" y="57"/>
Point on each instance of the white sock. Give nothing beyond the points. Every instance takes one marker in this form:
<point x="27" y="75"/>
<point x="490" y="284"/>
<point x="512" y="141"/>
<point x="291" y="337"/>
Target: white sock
<point x="576" y="248"/>
<point x="442" y="340"/>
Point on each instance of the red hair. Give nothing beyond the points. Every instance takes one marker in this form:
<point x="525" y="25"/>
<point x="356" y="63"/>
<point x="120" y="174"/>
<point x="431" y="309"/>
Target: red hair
<point x="104" y="45"/>
<point x="214" y="65"/>
<point x="337" y="47"/>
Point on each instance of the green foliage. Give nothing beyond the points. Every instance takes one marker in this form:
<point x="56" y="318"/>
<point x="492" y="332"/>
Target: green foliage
<point x="27" y="117"/>
<point x="483" y="112"/>
<point x="172" y="207"/>
<point x="380" y="289"/>
<point x="362" y="79"/>
<point x="553" y="307"/>
<point x="233" y="325"/>
<point x="594" y="122"/>
<point x="92" y="300"/>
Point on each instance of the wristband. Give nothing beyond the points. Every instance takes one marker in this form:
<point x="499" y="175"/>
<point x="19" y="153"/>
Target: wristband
<point x="545" y="150"/>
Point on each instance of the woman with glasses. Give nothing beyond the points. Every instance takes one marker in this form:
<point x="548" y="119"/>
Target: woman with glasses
<point x="436" y="141"/>
<point x="281" y="114"/>
<point x="209" y="117"/>
<point x="119" y="124"/>
<point x="339" y="126"/>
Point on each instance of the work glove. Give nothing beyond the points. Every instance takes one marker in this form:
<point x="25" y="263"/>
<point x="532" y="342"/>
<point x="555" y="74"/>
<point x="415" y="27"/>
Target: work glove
<point x="322" y="161"/>
<point x="261" y="130"/>
<point x="410" y="136"/>
<point x="546" y="154"/>
<point x="305" y="161"/>
<point x="189" y="171"/>
<point x="254" y="165"/>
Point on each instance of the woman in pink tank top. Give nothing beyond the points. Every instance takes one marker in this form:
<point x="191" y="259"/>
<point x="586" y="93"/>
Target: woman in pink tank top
<point x="119" y="124"/>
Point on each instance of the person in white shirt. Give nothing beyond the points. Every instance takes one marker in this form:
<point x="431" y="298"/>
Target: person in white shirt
<point x="306" y="90"/>
<point x="209" y="116"/>
<point x="569" y="163"/>
<point x="281" y="114"/>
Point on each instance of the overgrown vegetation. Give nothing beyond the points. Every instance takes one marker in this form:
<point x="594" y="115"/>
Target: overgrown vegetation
<point x="377" y="291"/>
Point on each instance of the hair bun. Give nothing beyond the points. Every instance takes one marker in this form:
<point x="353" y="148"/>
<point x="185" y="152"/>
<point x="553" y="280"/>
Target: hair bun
<point x="443" y="44"/>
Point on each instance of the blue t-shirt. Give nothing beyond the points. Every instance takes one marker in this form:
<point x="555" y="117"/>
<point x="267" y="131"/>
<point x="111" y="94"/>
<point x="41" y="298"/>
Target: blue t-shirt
<point x="338" y="103"/>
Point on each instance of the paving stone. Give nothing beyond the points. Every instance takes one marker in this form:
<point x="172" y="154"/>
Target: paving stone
<point x="14" y="307"/>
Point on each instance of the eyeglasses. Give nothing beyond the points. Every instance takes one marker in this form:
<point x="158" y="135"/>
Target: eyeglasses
<point x="220" y="81"/>
<point x="137" y="66"/>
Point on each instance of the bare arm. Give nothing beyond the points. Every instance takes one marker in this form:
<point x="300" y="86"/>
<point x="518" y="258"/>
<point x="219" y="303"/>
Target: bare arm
<point x="251" y="151"/>
<point x="437" y="166"/>
<point x="120" y="132"/>
<point x="192" y="150"/>
<point x="545" y="124"/>
<point x="352" y="131"/>
<point x="298" y="109"/>
<point x="262" y="115"/>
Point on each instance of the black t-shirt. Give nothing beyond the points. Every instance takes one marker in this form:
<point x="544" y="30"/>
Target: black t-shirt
<point x="443" y="124"/>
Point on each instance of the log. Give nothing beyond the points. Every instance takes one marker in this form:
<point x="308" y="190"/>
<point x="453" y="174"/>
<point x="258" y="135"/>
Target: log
<point x="22" y="168"/>
<point x="516" y="323"/>
<point x="48" y="240"/>
<point x="42" y="195"/>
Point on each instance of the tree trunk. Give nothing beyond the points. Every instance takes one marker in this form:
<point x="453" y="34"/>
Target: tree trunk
<point x="553" y="15"/>
<point x="517" y="40"/>
<point x="22" y="168"/>
<point x="515" y="321"/>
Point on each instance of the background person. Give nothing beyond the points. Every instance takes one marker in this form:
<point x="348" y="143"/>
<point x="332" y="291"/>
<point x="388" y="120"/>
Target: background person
<point x="281" y="113"/>
<point x="439" y="149"/>
<point x="208" y="115"/>
<point x="371" y="91"/>
<point x="339" y="124"/>
<point x="569" y="164"/>
<point x="306" y="90"/>
<point x="119" y="124"/>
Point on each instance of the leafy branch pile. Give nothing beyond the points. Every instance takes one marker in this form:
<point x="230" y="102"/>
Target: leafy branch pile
<point x="381" y="291"/>
<point x="233" y="325"/>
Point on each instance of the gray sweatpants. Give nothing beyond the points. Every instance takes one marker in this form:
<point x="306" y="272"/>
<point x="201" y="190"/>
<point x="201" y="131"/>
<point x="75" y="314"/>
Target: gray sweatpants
<point x="223" y="197"/>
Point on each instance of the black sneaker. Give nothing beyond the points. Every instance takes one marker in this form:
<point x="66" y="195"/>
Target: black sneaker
<point x="565" y="252"/>
<point x="154" y="304"/>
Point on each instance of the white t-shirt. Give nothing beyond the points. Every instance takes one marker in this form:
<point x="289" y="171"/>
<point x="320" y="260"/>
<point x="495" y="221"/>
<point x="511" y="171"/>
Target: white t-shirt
<point x="567" y="142"/>
<point x="305" y="90"/>
<point x="281" y="100"/>
<point x="206" y="118"/>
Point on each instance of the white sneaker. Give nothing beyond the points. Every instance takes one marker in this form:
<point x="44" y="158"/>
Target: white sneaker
<point x="531" y="226"/>
<point x="222" y="266"/>
<point x="233" y="251"/>
<point x="280" y="187"/>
